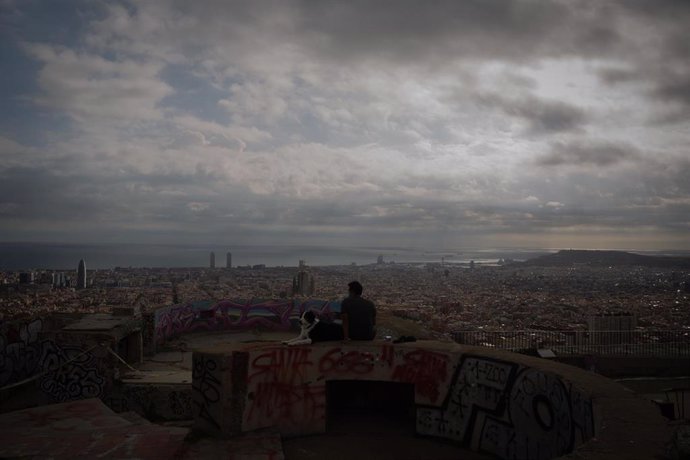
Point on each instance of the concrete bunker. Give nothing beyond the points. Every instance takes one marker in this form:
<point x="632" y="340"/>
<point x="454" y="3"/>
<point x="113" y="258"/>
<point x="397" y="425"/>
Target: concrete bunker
<point x="507" y="405"/>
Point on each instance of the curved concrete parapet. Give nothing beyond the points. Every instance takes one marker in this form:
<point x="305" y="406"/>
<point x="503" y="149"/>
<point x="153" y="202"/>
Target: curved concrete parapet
<point x="165" y="323"/>
<point x="505" y="404"/>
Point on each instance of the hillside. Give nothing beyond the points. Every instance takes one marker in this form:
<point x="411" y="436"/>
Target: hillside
<point x="565" y="258"/>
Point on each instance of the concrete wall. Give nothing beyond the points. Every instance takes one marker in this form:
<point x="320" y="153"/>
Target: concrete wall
<point x="163" y="402"/>
<point x="228" y="315"/>
<point x="489" y="404"/>
<point x="29" y="348"/>
<point x="36" y="348"/>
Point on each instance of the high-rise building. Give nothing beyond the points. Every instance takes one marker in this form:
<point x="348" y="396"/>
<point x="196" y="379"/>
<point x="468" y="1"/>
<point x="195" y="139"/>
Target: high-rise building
<point x="81" y="275"/>
<point x="212" y="262"/>
<point x="379" y="260"/>
<point x="303" y="283"/>
<point x="58" y="279"/>
<point x="228" y="260"/>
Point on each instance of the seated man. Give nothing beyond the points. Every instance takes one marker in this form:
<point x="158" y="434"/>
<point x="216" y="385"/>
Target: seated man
<point x="358" y="315"/>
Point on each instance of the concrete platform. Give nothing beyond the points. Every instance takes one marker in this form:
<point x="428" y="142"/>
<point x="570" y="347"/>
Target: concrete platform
<point x="87" y="429"/>
<point x="259" y="445"/>
<point x="373" y="436"/>
<point x="161" y="388"/>
<point x="83" y="429"/>
<point x="493" y="402"/>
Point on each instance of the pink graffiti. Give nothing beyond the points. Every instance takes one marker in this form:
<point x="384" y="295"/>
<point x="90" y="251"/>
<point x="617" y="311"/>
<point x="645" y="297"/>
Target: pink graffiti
<point x="235" y="315"/>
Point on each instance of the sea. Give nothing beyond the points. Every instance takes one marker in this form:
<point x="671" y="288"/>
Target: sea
<point x="56" y="256"/>
<point x="24" y="256"/>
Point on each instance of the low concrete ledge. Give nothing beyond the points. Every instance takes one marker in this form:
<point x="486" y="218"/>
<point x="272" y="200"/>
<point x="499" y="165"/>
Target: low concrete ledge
<point x="509" y="405"/>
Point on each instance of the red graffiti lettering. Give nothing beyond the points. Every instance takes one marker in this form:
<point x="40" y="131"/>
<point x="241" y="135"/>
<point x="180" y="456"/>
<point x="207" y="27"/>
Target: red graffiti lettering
<point x="282" y="402"/>
<point x="388" y="354"/>
<point x="338" y="362"/>
<point x="285" y="365"/>
<point x="426" y="370"/>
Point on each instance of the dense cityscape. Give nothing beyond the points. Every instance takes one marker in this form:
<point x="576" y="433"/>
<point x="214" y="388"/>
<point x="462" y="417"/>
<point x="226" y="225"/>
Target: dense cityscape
<point x="445" y="297"/>
<point x="372" y="230"/>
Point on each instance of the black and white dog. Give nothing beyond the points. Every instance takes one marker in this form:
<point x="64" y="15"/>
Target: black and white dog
<point x="314" y="330"/>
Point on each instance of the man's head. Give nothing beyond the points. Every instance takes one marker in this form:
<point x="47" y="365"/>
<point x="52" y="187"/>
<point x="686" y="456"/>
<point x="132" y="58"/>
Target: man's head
<point x="355" y="288"/>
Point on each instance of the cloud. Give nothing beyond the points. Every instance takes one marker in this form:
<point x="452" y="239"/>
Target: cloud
<point x="86" y="85"/>
<point x="349" y="121"/>
<point x="540" y="116"/>
<point x="578" y="153"/>
<point x="615" y="75"/>
<point x="655" y="57"/>
<point x="402" y="32"/>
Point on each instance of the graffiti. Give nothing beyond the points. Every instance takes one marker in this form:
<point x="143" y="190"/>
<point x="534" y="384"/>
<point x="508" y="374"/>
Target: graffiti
<point x="20" y="351"/>
<point x="153" y="402"/>
<point x="81" y="378"/>
<point x="282" y="364"/>
<point x="511" y="412"/>
<point x="540" y="406"/>
<point x="23" y="354"/>
<point x="493" y="406"/>
<point x="287" y="402"/>
<point x="479" y="383"/>
<point x="173" y="321"/>
<point x="583" y="416"/>
<point x="180" y="404"/>
<point x="426" y="369"/>
<point x="540" y="423"/>
<point x="139" y="398"/>
<point x="327" y="310"/>
<point x="278" y="387"/>
<point x="206" y="389"/>
<point x="337" y="361"/>
<point x="275" y="315"/>
<point x="387" y="355"/>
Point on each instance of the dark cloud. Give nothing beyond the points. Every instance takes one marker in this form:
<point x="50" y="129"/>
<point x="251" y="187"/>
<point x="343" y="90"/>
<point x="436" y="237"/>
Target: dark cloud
<point x="661" y="61"/>
<point x="658" y="9"/>
<point x="674" y="88"/>
<point x="587" y="154"/>
<point x="673" y="91"/>
<point x="615" y="75"/>
<point x="417" y="31"/>
<point x="542" y="116"/>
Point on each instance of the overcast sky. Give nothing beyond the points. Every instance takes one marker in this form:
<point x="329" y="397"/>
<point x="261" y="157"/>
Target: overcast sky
<point x="440" y="124"/>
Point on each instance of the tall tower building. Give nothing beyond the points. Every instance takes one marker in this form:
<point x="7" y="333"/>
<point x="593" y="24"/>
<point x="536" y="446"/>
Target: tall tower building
<point x="212" y="262"/>
<point x="379" y="260"/>
<point x="81" y="275"/>
<point x="228" y="260"/>
<point x="303" y="283"/>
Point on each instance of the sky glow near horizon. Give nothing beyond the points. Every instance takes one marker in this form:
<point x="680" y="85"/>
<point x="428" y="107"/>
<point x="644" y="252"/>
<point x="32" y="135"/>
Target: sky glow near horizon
<point x="493" y="123"/>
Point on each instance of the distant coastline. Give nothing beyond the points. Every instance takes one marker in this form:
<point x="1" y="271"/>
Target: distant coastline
<point x="65" y="256"/>
<point x="602" y="258"/>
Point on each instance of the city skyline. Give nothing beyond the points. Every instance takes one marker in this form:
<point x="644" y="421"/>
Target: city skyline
<point x="489" y="124"/>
